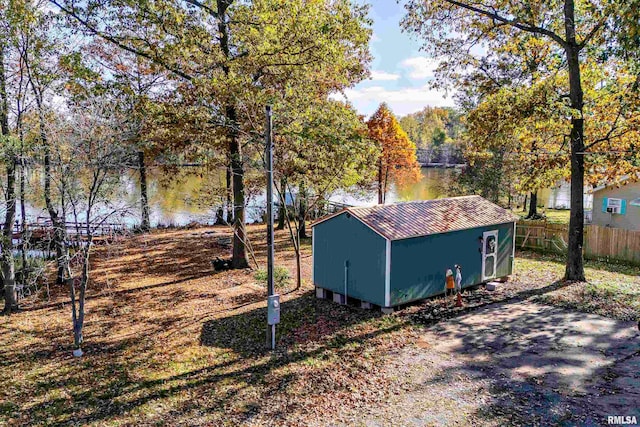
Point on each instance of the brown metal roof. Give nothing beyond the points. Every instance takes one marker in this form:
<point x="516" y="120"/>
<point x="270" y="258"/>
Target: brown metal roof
<point x="422" y="218"/>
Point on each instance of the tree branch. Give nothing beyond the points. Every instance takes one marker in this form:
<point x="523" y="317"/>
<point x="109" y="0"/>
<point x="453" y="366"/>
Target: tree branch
<point x="514" y="23"/>
<point x="153" y="58"/>
<point x="204" y="7"/>
<point x="592" y="33"/>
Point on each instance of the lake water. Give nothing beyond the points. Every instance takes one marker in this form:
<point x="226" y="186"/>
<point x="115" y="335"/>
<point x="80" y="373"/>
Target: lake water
<point x="429" y="187"/>
<point x="184" y="196"/>
<point x="188" y="197"/>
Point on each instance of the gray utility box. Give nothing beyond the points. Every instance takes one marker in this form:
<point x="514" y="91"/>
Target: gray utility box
<point x="273" y="309"/>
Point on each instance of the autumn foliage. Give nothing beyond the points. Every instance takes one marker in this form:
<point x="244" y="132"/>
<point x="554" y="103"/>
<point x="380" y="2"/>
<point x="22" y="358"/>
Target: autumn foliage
<point x="397" y="161"/>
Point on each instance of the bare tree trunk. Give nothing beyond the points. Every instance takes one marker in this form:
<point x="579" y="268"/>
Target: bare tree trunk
<point x="144" y="199"/>
<point x="59" y="230"/>
<point x="239" y="255"/>
<point x="533" y="206"/>
<point x="223" y="215"/>
<point x="229" y="204"/>
<point x="78" y="324"/>
<point x="74" y="312"/>
<point x="380" y="196"/>
<point x="282" y="210"/>
<point x="385" y="184"/>
<point x="23" y="211"/>
<point x="280" y="225"/>
<point x="24" y="233"/>
<point x="23" y="221"/>
<point x="298" y="267"/>
<point x="77" y="305"/>
<point x="8" y="266"/>
<point x="302" y="213"/>
<point x="575" y="262"/>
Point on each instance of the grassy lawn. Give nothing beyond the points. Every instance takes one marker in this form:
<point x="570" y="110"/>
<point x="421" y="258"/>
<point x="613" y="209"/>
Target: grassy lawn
<point x="612" y="290"/>
<point x="556" y="216"/>
<point x="169" y="341"/>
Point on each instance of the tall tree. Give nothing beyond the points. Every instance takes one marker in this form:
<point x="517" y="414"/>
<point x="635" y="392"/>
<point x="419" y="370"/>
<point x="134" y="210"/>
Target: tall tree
<point x="519" y="125"/>
<point x="8" y="267"/>
<point x="454" y="26"/>
<point x="397" y="161"/>
<point x="138" y="83"/>
<point x="87" y="139"/>
<point x="436" y="131"/>
<point x="39" y="61"/>
<point x="313" y="143"/>
<point x="236" y="55"/>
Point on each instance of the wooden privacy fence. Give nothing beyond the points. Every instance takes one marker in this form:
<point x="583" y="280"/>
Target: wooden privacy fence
<point x="599" y="242"/>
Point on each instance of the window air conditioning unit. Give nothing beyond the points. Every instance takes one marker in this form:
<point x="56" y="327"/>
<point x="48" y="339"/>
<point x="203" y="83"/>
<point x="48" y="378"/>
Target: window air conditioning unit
<point x="614" y="205"/>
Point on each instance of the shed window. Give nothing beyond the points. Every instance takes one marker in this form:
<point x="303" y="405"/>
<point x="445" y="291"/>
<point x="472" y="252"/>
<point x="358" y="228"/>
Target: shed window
<point x="491" y="245"/>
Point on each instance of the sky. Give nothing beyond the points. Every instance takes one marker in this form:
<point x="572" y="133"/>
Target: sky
<point x="400" y="73"/>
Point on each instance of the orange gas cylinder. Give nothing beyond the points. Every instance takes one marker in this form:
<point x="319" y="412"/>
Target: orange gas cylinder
<point x="459" y="300"/>
<point x="450" y="282"/>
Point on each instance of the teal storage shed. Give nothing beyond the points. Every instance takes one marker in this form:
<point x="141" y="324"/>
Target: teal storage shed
<point x="390" y="255"/>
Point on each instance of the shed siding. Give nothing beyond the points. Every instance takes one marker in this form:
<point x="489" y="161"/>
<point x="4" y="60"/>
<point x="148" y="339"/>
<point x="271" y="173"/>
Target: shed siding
<point x="346" y="238"/>
<point x="418" y="265"/>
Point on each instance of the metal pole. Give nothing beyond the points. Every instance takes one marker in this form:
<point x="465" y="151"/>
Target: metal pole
<point x="346" y="280"/>
<point x="271" y="330"/>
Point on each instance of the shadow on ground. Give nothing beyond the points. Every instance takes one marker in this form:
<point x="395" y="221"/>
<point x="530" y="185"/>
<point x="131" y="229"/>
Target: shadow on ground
<point x="235" y="387"/>
<point x="303" y="319"/>
<point x="533" y="364"/>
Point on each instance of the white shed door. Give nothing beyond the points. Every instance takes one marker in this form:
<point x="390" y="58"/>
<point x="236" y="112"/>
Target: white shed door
<point x="489" y="254"/>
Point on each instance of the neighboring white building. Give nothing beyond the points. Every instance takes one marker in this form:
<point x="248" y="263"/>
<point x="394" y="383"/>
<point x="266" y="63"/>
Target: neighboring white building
<point x="559" y="197"/>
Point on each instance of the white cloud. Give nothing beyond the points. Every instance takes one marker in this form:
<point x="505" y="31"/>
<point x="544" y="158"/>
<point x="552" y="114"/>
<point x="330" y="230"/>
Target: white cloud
<point x="420" y="67"/>
<point x="402" y="101"/>
<point x="383" y="76"/>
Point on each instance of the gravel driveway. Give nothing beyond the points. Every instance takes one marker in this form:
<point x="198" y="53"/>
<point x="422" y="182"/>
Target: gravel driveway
<point x="518" y="363"/>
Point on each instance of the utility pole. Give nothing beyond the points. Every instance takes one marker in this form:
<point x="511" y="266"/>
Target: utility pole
<point x="273" y="300"/>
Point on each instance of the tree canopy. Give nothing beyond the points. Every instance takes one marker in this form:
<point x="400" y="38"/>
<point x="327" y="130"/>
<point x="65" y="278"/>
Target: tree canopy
<point x="575" y="47"/>
<point x="397" y="161"/>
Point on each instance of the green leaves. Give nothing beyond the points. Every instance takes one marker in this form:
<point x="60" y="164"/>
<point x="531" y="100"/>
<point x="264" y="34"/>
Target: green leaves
<point x="313" y="143"/>
<point x="516" y="88"/>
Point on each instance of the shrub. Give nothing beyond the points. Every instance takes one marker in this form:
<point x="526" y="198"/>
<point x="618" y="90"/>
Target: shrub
<point x="281" y="276"/>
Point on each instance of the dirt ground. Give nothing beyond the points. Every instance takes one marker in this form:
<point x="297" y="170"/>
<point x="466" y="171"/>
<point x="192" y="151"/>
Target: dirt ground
<point x="517" y="363"/>
<point x="169" y="341"/>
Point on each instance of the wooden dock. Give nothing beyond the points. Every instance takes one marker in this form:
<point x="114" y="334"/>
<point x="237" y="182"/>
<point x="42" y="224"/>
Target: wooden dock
<point x="42" y="230"/>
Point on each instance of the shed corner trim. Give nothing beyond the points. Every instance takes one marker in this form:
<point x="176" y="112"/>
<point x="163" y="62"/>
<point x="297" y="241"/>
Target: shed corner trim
<point x="387" y="275"/>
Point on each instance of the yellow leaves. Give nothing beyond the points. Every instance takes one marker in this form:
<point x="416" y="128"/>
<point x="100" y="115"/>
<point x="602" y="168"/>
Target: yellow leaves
<point x="533" y="125"/>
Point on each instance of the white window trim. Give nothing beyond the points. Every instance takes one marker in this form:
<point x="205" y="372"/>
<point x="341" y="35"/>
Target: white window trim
<point x="387" y="276"/>
<point x="617" y="204"/>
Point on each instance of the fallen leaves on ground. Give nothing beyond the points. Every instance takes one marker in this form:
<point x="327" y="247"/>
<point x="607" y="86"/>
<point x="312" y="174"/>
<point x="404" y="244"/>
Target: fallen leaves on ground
<point x="169" y="340"/>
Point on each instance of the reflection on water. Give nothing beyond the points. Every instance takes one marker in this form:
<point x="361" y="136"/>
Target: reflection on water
<point x="190" y="194"/>
<point x="179" y="197"/>
<point x="430" y="186"/>
<point x="175" y="197"/>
